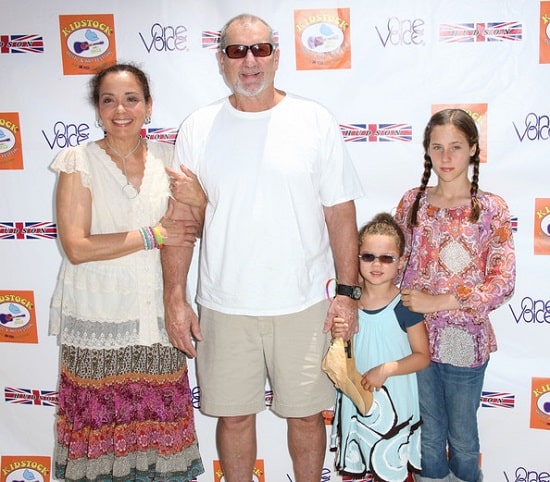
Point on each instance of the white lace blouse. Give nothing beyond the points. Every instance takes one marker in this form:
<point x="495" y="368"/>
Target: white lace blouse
<point x="113" y="303"/>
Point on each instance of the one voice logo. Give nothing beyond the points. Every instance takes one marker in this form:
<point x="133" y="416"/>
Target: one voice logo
<point x="535" y="127"/>
<point x="165" y="38"/>
<point x="402" y="32"/>
<point x="67" y="135"/>
<point x="522" y="474"/>
<point x="531" y="311"/>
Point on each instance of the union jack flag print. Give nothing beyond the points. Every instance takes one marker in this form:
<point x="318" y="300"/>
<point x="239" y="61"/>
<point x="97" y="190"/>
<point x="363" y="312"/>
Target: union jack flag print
<point x="514" y="223"/>
<point x="28" y="230"/>
<point x="498" y="400"/>
<point x="21" y="44"/>
<point x="376" y="132"/>
<point x="161" y="134"/>
<point x="210" y="39"/>
<point x="354" y="132"/>
<point x="29" y="396"/>
<point x="480" y="32"/>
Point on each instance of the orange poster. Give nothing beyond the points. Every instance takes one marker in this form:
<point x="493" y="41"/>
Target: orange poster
<point x="17" y="317"/>
<point x="540" y="403"/>
<point x="479" y="114"/>
<point x="328" y="416"/>
<point x="11" y="151"/>
<point x="542" y="226"/>
<point x="16" y="468"/>
<point x="258" y="474"/>
<point x="87" y="43"/>
<point x="544" y="33"/>
<point x="322" y="39"/>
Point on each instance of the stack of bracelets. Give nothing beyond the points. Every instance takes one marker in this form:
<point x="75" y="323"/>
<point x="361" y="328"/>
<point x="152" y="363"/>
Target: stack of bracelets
<point x="152" y="239"/>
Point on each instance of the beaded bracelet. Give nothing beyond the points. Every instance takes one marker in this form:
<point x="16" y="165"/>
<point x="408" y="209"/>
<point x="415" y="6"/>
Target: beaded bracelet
<point x="327" y="287"/>
<point x="149" y="238"/>
<point x="158" y="237"/>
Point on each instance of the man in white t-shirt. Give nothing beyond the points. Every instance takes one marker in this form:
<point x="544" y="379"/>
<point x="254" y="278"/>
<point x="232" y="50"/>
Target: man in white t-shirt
<point x="280" y="221"/>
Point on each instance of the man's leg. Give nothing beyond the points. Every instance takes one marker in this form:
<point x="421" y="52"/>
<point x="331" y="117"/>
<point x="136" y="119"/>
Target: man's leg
<point x="307" y="440"/>
<point x="236" y="443"/>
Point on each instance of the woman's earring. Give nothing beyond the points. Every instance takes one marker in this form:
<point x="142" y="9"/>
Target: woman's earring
<point x="148" y="119"/>
<point x="99" y="123"/>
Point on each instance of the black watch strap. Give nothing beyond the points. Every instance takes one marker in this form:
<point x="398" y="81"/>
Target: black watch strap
<point x="354" y="292"/>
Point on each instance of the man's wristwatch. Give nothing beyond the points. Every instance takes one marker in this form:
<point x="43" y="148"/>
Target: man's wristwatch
<point x="354" y="292"/>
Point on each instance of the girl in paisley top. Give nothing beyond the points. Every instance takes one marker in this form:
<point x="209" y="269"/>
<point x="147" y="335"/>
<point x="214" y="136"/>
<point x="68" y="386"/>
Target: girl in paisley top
<point x="461" y="267"/>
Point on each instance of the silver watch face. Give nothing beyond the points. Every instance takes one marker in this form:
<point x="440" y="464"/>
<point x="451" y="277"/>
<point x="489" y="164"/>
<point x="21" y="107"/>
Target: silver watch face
<point x="356" y="294"/>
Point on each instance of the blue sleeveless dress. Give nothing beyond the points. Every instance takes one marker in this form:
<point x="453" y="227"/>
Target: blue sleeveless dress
<point x="386" y="442"/>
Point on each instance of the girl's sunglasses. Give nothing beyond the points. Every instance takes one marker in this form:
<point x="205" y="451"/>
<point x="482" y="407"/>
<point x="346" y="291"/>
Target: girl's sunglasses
<point x="383" y="258"/>
<point x="263" y="49"/>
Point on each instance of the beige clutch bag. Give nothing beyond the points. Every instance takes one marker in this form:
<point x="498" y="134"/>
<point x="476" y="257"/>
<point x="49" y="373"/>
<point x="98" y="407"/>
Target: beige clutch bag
<point x="339" y="365"/>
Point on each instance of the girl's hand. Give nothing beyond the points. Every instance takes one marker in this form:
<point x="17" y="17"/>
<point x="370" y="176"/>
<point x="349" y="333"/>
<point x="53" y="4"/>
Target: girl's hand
<point x="375" y="377"/>
<point x="421" y="302"/>
<point x="339" y="328"/>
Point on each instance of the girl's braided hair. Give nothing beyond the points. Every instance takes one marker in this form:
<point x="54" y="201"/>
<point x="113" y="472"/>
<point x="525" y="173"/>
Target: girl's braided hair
<point x="466" y="124"/>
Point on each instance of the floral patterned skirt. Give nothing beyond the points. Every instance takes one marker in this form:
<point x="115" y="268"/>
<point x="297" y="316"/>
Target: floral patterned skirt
<point x="125" y="415"/>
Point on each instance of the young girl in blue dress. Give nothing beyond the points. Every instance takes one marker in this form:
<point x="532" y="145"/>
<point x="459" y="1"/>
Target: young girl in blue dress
<point x="390" y="346"/>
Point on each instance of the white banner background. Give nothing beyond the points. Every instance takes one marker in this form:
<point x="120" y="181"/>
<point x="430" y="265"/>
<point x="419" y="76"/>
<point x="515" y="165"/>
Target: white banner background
<point x="400" y="67"/>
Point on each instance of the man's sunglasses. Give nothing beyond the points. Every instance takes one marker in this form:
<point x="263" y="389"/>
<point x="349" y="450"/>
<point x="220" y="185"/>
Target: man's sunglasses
<point x="383" y="258"/>
<point x="263" y="49"/>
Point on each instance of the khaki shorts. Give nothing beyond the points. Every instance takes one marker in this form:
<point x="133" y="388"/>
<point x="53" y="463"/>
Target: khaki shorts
<point x="239" y="353"/>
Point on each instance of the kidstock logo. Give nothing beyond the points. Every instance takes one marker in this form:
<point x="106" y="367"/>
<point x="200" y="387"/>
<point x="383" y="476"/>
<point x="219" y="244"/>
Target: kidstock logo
<point x="27" y="468"/>
<point x="88" y="42"/>
<point x="532" y="311"/>
<point x="535" y="128"/>
<point x="402" y="32"/>
<point x="67" y="135"/>
<point x="165" y="38"/>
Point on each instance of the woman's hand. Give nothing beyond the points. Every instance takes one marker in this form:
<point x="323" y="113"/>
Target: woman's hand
<point x="186" y="188"/>
<point x="187" y="192"/>
<point x="177" y="232"/>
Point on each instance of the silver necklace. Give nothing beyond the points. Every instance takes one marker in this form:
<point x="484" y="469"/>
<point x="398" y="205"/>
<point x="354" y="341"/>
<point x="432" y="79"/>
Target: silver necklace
<point x="129" y="189"/>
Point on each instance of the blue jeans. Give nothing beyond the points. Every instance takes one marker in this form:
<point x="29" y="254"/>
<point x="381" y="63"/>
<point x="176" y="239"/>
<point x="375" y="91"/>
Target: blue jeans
<point x="449" y="399"/>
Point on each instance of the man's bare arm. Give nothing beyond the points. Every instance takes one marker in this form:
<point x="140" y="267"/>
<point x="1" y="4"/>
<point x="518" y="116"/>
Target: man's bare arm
<point x="182" y="323"/>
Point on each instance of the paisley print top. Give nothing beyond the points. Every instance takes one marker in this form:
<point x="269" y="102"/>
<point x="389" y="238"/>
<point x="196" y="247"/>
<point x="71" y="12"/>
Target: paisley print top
<point x="474" y="261"/>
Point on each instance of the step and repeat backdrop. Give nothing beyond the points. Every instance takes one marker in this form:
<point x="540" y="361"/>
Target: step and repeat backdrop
<point x="382" y="68"/>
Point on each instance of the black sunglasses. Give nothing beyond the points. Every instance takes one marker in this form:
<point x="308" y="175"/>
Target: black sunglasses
<point x="383" y="258"/>
<point x="263" y="49"/>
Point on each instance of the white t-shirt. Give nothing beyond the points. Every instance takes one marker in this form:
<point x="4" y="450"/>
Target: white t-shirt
<point x="267" y="175"/>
